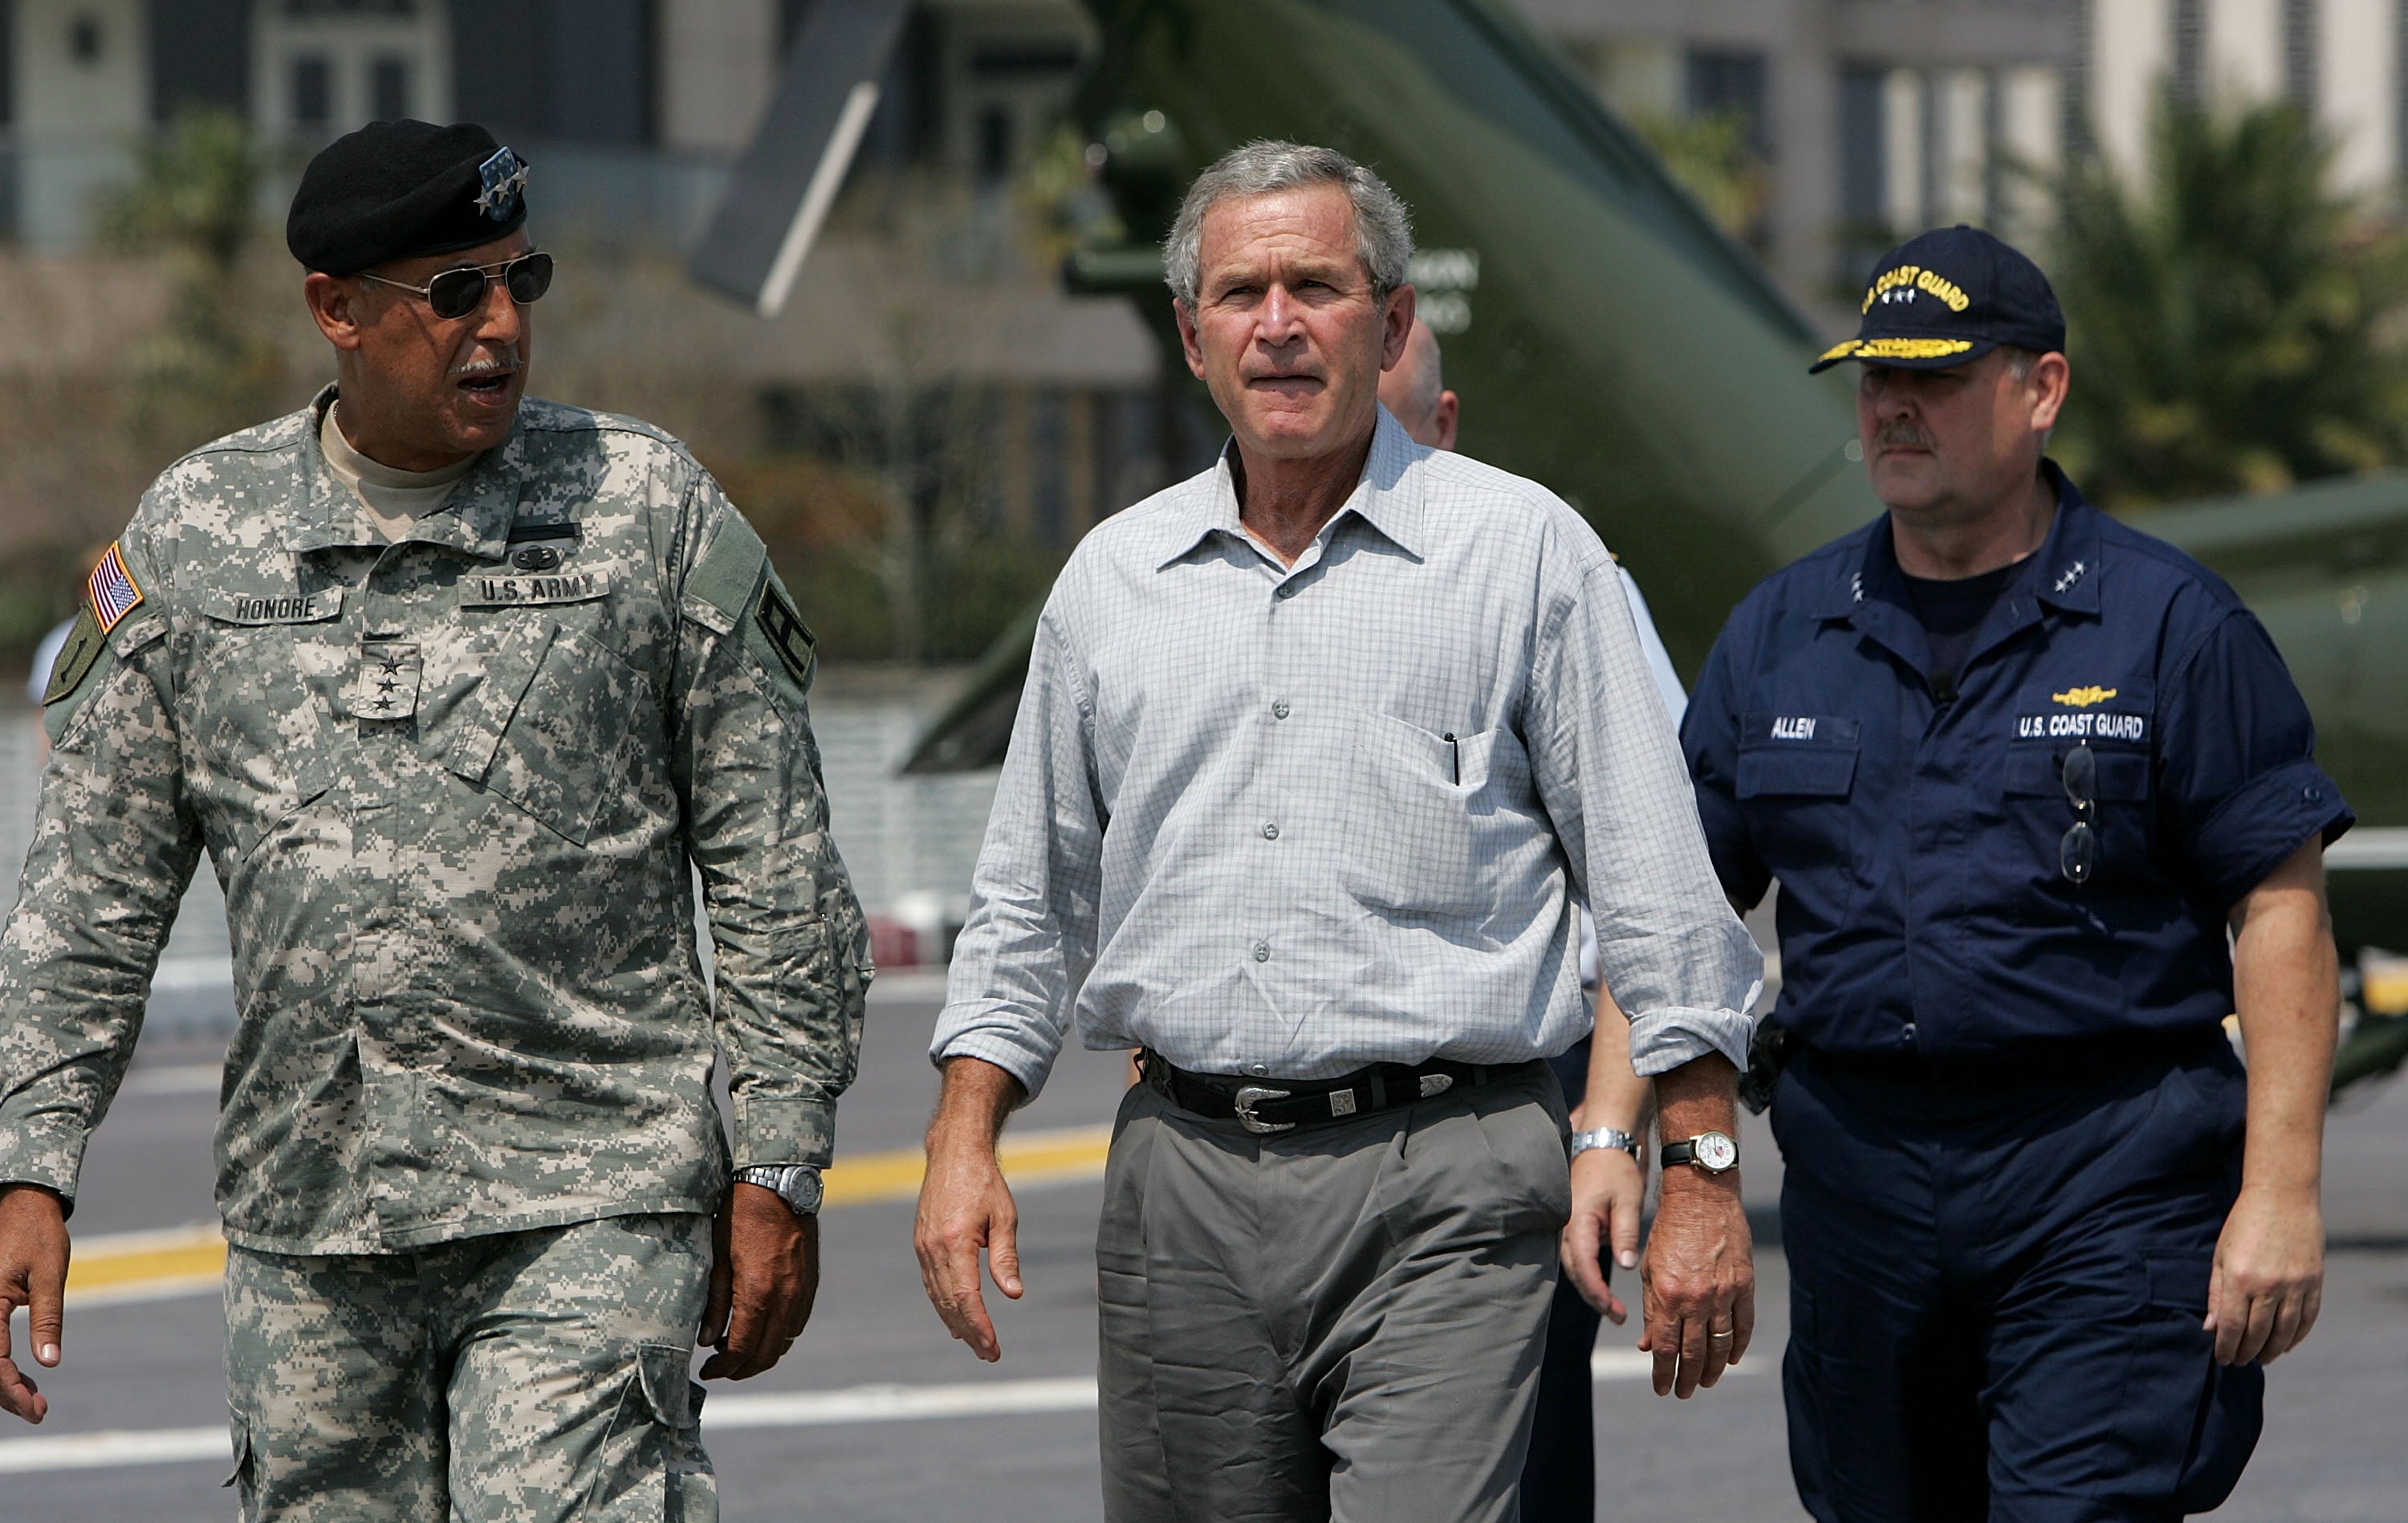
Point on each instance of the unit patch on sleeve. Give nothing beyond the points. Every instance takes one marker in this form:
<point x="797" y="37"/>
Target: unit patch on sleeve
<point x="787" y="635"/>
<point x="85" y="642"/>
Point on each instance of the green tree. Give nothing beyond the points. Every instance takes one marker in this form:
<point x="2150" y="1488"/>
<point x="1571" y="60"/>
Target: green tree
<point x="2225" y="315"/>
<point x="191" y="199"/>
<point x="1711" y="157"/>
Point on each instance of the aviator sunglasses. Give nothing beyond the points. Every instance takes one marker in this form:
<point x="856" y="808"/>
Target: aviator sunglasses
<point x="456" y="292"/>
<point x="2077" y="853"/>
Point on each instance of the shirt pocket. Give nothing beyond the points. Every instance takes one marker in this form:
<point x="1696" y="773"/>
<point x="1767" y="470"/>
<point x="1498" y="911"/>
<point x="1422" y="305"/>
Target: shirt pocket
<point x="550" y="726"/>
<point x="2038" y="811"/>
<point x="1434" y="825"/>
<point x="254" y="707"/>
<point x="1797" y="777"/>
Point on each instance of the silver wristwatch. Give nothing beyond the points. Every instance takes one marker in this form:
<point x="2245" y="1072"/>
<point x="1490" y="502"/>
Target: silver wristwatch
<point x="796" y="1184"/>
<point x="1606" y="1137"/>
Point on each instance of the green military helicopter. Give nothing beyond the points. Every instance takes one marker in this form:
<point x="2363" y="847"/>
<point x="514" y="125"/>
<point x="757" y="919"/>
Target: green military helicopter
<point x="1614" y="343"/>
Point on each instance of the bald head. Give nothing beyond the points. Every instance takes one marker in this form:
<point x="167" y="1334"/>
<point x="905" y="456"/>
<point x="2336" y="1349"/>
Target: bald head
<point x="1414" y="390"/>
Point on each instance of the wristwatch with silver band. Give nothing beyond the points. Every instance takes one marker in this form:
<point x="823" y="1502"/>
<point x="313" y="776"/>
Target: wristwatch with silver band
<point x="1606" y="1137"/>
<point x="796" y="1184"/>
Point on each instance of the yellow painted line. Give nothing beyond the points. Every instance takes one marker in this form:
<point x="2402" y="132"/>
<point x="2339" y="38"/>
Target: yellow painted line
<point x="1068" y="1153"/>
<point x="129" y="1266"/>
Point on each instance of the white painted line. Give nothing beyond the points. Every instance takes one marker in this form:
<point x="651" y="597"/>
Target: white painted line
<point x="154" y="1240"/>
<point x="183" y="974"/>
<point x="899" y="1403"/>
<point x="802" y="1409"/>
<point x="89" y="1451"/>
<point x="721" y="1413"/>
<point x="2369" y="848"/>
<point x="178" y="1079"/>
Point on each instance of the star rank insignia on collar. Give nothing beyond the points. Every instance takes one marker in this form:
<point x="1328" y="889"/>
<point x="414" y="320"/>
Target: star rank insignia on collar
<point x="2073" y="574"/>
<point x="503" y="178"/>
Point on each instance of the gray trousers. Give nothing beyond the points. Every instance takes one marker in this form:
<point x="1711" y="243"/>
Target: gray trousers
<point x="1342" y="1324"/>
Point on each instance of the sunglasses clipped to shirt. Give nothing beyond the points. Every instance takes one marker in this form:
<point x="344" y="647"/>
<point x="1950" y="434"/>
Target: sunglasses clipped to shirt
<point x="2077" y="853"/>
<point x="456" y="292"/>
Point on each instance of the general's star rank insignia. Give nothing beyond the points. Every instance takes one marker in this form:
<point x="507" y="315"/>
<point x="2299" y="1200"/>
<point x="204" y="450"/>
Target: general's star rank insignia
<point x="502" y="178"/>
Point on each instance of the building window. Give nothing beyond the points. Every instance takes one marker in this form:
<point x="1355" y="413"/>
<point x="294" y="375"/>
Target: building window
<point x="792" y="14"/>
<point x="993" y="143"/>
<point x="2189" y="48"/>
<point x="1864" y="172"/>
<point x="320" y="67"/>
<point x="1732" y="81"/>
<point x="2301" y="27"/>
<point x="85" y="40"/>
<point x="389" y="89"/>
<point x="313" y="94"/>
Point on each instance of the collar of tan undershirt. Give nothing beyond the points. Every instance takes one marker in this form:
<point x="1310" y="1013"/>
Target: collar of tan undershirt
<point x="394" y="498"/>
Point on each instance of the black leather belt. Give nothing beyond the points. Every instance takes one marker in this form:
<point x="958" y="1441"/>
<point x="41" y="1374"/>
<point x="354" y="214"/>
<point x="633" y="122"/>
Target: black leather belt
<point x="1269" y="1105"/>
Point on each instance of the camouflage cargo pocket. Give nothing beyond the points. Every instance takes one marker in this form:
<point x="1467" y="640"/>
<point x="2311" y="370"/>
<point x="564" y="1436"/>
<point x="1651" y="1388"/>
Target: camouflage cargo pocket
<point x="690" y="1492"/>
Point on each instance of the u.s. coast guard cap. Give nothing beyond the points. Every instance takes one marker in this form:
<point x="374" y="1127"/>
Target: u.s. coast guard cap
<point x="1948" y="296"/>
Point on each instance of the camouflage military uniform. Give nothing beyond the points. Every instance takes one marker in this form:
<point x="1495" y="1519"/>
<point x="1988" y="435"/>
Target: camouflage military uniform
<point x="452" y="787"/>
<point x="445" y="1392"/>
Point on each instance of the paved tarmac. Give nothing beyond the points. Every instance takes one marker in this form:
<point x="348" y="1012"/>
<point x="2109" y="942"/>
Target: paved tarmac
<point x="2332" y="1452"/>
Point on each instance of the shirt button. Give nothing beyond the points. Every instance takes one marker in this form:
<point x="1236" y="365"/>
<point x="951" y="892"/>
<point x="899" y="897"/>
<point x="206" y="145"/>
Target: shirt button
<point x="1279" y="711"/>
<point x="2314" y="796"/>
<point x="1259" y="1071"/>
<point x="1262" y="952"/>
<point x="1270" y="832"/>
<point x="1286" y="589"/>
<point x="1907" y="1036"/>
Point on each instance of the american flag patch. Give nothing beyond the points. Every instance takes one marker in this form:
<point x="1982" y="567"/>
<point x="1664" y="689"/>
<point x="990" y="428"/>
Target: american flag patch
<point x="111" y="590"/>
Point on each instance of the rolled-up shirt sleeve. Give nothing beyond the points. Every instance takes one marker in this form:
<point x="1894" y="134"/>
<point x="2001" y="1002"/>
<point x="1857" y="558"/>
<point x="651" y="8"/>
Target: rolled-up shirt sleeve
<point x="1030" y="939"/>
<point x="1610" y="773"/>
<point x="2241" y="777"/>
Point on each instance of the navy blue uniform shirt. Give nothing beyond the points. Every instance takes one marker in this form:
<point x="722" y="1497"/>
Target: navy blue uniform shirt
<point x="1923" y="909"/>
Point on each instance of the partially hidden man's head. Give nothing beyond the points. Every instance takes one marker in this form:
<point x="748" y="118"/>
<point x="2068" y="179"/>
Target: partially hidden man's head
<point x="1962" y="372"/>
<point x="432" y="361"/>
<point x="1414" y="390"/>
<point x="1287" y="266"/>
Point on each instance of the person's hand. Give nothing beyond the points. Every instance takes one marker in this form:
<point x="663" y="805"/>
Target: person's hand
<point x="965" y="1206"/>
<point x="2269" y="1280"/>
<point x="34" y="1274"/>
<point x="1698" y="1283"/>
<point x="1608" y="1189"/>
<point x="764" y="1274"/>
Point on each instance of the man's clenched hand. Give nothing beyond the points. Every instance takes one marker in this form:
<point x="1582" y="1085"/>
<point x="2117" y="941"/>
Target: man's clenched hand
<point x="764" y="1274"/>
<point x="33" y="1274"/>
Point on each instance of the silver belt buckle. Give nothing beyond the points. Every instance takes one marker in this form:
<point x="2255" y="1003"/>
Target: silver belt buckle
<point x="1245" y="1100"/>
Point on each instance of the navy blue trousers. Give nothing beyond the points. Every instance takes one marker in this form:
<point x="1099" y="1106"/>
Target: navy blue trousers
<point x="1996" y="1289"/>
<point x="1559" y="1474"/>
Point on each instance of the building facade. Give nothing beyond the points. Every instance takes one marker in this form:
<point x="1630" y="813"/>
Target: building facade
<point x="1876" y="118"/>
<point x="1865" y="118"/>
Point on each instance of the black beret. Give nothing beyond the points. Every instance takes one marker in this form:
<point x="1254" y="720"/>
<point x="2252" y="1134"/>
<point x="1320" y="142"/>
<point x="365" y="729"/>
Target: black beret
<point x="396" y="190"/>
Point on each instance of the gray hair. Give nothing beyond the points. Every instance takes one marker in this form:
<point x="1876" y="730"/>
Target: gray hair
<point x="1383" y="229"/>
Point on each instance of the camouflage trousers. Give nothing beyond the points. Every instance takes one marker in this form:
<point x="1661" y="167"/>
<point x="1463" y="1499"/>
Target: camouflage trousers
<point x="537" y="1377"/>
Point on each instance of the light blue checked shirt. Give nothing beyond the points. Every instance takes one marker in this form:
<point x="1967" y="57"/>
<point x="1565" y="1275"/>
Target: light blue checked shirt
<point x="1289" y="821"/>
